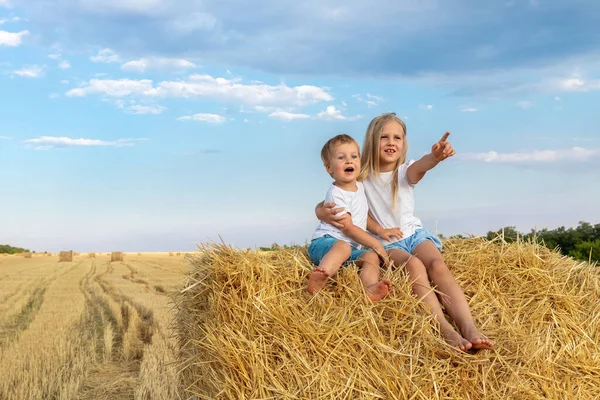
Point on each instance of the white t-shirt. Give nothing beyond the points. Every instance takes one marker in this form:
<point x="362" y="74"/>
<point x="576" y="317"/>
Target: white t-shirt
<point x="379" y="197"/>
<point x="354" y="203"/>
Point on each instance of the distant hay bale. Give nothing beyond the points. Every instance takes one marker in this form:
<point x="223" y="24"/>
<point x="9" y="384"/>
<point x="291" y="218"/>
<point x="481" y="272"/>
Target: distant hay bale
<point x="91" y="255"/>
<point x="26" y="255"/>
<point x="171" y="253"/>
<point x="65" y="256"/>
<point x="248" y="329"/>
<point x="116" y="256"/>
<point x="178" y="253"/>
<point x="139" y="254"/>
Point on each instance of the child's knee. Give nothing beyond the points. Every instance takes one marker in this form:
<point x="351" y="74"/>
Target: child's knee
<point x="437" y="267"/>
<point x="343" y="248"/>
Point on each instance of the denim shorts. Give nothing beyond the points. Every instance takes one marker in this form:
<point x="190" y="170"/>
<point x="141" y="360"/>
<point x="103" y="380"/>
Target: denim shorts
<point x="320" y="246"/>
<point x="410" y="244"/>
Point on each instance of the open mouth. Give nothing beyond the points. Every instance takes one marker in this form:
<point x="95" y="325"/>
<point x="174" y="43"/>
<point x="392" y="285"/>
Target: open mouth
<point x="349" y="169"/>
<point x="390" y="151"/>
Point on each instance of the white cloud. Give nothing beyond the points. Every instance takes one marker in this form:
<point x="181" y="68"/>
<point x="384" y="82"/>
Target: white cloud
<point x="372" y="100"/>
<point x="556" y="98"/>
<point x="572" y="154"/>
<point x="576" y="83"/>
<point x="210" y="118"/>
<point x="5" y="3"/>
<point x="113" y="88"/>
<point x="64" y="82"/>
<point x="54" y="96"/>
<point x="31" y="71"/>
<point x="426" y="106"/>
<point x="525" y="104"/>
<point x="205" y="86"/>
<point x="287" y="116"/>
<point x="159" y="63"/>
<point x="11" y="39"/>
<point x="331" y="113"/>
<point x="105" y="56"/>
<point x="5" y="138"/>
<point x="53" y="141"/>
<point x="54" y="56"/>
<point x="469" y="109"/>
<point x="64" y="64"/>
<point x="140" y="109"/>
<point x="5" y="20"/>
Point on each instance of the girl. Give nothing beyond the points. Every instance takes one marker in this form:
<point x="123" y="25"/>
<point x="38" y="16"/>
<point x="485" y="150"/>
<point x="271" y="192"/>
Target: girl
<point x="389" y="182"/>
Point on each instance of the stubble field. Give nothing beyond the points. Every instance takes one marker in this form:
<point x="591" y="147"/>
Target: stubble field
<point x="90" y="328"/>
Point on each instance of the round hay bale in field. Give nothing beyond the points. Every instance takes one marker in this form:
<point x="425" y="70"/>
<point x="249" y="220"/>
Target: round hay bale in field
<point x="26" y="255"/>
<point x="116" y="256"/>
<point x="248" y="329"/>
<point x="65" y="256"/>
<point x="170" y="253"/>
<point x="91" y="255"/>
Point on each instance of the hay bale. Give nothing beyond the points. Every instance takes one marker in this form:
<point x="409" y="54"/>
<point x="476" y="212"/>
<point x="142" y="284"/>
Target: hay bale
<point x="26" y="255"/>
<point x="116" y="256"/>
<point x="171" y="253"/>
<point x="248" y="329"/>
<point x="65" y="256"/>
<point x="91" y="255"/>
<point x="178" y="253"/>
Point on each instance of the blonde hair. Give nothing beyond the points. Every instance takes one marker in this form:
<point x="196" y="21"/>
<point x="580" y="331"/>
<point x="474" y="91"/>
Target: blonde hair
<point x="327" y="150"/>
<point x="370" y="159"/>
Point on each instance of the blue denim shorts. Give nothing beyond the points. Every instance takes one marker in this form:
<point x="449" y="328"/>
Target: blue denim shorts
<point x="320" y="246"/>
<point x="410" y="244"/>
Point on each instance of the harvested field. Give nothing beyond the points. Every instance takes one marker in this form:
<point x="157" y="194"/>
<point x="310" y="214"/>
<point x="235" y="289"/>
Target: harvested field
<point x="79" y="330"/>
<point x="249" y="330"/>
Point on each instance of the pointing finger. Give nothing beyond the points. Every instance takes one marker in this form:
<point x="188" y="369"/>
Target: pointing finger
<point x="443" y="139"/>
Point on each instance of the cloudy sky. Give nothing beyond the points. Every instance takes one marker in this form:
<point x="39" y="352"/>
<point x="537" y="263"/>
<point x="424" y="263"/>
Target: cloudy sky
<point x="152" y="125"/>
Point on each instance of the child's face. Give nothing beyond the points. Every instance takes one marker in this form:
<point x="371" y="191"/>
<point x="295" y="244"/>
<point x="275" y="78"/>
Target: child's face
<point x="391" y="143"/>
<point x="344" y="164"/>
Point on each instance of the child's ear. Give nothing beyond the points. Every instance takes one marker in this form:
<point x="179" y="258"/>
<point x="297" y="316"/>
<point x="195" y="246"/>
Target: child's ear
<point x="328" y="169"/>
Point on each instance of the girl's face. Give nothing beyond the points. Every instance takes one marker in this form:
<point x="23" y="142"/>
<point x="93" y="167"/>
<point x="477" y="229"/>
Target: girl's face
<point x="391" y="144"/>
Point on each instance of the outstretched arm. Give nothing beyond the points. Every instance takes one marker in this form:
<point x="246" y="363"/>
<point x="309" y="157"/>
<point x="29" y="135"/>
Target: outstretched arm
<point x="439" y="152"/>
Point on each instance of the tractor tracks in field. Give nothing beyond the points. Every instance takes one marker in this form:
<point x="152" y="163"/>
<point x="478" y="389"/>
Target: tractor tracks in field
<point x="122" y="329"/>
<point x="10" y="329"/>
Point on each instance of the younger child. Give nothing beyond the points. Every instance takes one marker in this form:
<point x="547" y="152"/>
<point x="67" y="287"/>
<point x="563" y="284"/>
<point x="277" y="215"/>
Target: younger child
<point x="330" y="247"/>
<point x="389" y="180"/>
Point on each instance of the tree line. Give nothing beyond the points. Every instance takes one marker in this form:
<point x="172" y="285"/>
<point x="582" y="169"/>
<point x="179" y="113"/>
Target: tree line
<point x="581" y="243"/>
<point x="7" y="249"/>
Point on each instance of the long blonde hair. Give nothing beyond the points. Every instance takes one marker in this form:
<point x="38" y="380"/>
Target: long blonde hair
<point x="370" y="152"/>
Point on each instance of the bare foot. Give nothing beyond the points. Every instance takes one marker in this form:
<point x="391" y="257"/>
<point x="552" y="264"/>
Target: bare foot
<point x="478" y="341"/>
<point x="454" y="339"/>
<point x="316" y="280"/>
<point x="379" y="290"/>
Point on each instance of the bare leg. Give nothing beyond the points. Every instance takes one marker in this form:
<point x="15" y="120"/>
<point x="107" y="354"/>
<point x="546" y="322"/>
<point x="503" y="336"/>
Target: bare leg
<point x="453" y="298"/>
<point x="423" y="291"/>
<point x="329" y="265"/>
<point x="369" y="275"/>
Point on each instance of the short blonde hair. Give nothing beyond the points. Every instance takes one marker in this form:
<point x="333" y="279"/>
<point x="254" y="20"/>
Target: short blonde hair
<point x="370" y="161"/>
<point x="327" y="150"/>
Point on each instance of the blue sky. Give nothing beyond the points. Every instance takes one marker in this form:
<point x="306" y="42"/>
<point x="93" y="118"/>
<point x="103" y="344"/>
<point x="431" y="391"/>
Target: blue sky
<point x="152" y="125"/>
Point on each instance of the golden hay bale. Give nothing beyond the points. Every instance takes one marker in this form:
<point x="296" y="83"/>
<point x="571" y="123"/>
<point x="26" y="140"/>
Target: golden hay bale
<point x="178" y="253"/>
<point x="26" y="255"/>
<point x="65" y="256"/>
<point x="170" y="253"/>
<point x="91" y="255"/>
<point x="139" y="254"/>
<point x="116" y="256"/>
<point x="248" y="329"/>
